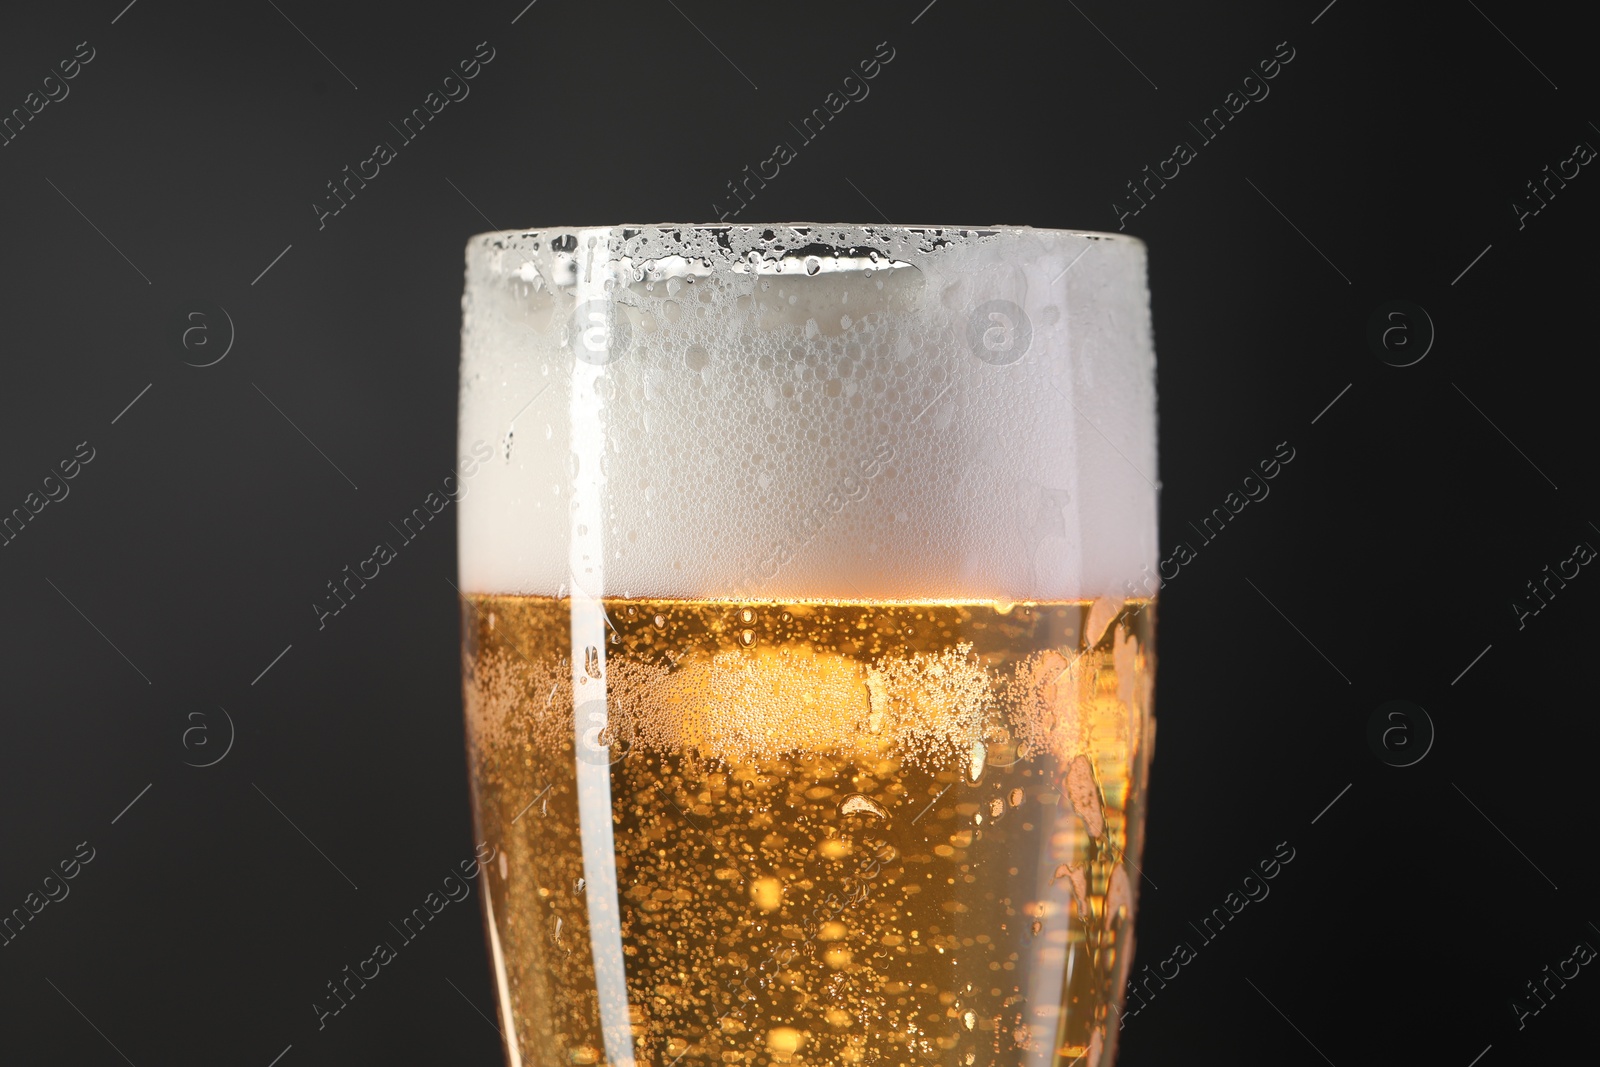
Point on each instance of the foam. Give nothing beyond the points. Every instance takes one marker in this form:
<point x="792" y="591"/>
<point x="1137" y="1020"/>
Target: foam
<point x="807" y="411"/>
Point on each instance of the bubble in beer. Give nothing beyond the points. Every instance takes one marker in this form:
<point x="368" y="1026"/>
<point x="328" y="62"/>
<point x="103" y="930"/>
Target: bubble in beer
<point x="767" y="893"/>
<point x="860" y="804"/>
<point x="784" y="1040"/>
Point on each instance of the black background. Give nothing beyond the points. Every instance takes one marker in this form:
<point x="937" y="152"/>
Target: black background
<point x="196" y="141"/>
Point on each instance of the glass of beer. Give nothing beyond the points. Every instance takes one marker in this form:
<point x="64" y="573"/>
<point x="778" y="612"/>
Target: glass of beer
<point x="807" y="602"/>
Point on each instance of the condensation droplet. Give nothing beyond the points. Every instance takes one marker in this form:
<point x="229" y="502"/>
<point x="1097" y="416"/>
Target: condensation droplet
<point x="1023" y="751"/>
<point x="747" y="638"/>
<point x="813" y="265"/>
<point x="747" y="616"/>
<point x="975" y="763"/>
<point x="1016" y="797"/>
<point x="591" y="661"/>
<point x="579" y="887"/>
<point x="969" y="1019"/>
<point x="861" y="804"/>
<point x="1036" y="927"/>
<point x="997" y="808"/>
<point x="660" y="621"/>
<point x="1061" y="872"/>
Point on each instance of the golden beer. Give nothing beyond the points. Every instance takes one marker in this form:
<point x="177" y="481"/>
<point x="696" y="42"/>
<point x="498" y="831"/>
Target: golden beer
<point x="845" y="832"/>
<point x="807" y="664"/>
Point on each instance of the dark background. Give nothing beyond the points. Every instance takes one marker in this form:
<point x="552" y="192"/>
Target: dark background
<point x="186" y="158"/>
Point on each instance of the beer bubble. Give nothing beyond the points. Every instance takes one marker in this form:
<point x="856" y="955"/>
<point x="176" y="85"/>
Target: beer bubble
<point x="660" y="621"/>
<point x="784" y="1040"/>
<point x="861" y="804"/>
<point x="767" y="893"/>
<point x="747" y="638"/>
<point x="747" y="616"/>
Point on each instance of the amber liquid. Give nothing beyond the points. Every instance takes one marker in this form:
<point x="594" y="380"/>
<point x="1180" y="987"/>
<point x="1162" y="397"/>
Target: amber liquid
<point x="840" y="833"/>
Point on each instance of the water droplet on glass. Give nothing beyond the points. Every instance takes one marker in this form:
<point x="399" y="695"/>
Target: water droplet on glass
<point x="591" y="661"/>
<point x="997" y="808"/>
<point x="579" y="887"/>
<point x="1036" y="927"/>
<point x="975" y="764"/>
<point x="861" y="804"/>
<point x="1016" y="797"/>
<point x="969" y="1019"/>
<point x="747" y="616"/>
<point x="747" y="638"/>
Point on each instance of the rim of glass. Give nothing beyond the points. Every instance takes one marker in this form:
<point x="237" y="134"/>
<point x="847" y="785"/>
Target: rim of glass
<point x="630" y="229"/>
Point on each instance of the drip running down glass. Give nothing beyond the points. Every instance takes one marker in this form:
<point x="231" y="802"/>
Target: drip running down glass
<point x="807" y="644"/>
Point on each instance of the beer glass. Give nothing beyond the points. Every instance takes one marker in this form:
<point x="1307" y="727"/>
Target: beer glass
<point x="807" y="602"/>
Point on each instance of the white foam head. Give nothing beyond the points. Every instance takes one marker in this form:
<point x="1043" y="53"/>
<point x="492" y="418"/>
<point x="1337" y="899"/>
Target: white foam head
<point x="807" y="411"/>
